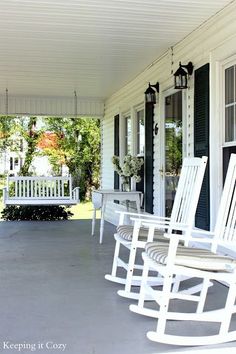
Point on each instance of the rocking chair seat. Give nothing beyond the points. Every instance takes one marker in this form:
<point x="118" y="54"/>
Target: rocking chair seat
<point x="191" y="257"/>
<point x="126" y="233"/>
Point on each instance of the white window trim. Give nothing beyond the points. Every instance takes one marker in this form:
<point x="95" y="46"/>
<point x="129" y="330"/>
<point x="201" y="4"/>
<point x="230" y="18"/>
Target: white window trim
<point x="224" y="54"/>
<point x="161" y="136"/>
<point x="137" y="109"/>
<point x="123" y="115"/>
<point x="132" y="113"/>
<point x="225" y="65"/>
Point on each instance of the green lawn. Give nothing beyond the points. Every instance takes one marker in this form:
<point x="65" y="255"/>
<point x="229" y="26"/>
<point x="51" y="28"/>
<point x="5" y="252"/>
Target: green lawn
<point x="83" y="210"/>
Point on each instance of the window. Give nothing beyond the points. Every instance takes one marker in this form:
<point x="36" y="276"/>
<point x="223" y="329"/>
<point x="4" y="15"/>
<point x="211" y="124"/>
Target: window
<point x="16" y="162"/>
<point x="140" y="132"/>
<point x="21" y="145"/>
<point x="11" y="163"/>
<point x="230" y="102"/>
<point x="127" y="135"/>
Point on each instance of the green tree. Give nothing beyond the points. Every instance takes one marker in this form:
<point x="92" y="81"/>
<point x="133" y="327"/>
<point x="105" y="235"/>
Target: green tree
<point x="78" y="148"/>
<point x="174" y="147"/>
<point x="13" y="130"/>
<point x="7" y="125"/>
<point x="27" y="128"/>
<point x="74" y="142"/>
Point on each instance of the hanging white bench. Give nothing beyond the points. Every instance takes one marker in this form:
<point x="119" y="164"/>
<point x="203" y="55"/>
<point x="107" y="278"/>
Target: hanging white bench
<point x="40" y="191"/>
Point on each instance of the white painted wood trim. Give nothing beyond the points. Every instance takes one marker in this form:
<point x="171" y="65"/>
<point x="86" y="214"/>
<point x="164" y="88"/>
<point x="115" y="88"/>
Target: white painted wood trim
<point x="56" y="106"/>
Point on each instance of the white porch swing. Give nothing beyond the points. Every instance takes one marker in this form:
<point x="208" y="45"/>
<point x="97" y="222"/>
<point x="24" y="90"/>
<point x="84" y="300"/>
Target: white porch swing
<point x="49" y="190"/>
<point x="35" y="190"/>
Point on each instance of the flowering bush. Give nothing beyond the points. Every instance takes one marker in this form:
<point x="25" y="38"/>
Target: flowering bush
<point x="130" y="168"/>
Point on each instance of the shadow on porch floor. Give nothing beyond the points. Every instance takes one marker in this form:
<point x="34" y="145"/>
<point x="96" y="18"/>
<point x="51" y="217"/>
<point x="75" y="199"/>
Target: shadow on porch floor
<point x="53" y="292"/>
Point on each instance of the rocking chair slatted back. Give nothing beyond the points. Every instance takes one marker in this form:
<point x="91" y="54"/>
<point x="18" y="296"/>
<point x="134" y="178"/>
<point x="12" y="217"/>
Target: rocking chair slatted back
<point x="225" y="231"/>
<point x="188" y="190"/>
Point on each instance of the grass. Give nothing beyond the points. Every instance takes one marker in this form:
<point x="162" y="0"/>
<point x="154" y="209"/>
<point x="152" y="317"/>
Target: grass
<point x="83" y="210"/>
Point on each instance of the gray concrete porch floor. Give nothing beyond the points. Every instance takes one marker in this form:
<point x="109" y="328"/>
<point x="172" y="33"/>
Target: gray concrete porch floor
<point x="53" y="291"/>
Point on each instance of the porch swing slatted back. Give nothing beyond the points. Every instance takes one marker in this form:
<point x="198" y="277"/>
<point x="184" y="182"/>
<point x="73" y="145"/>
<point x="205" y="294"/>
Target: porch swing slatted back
<point x="40" y="190"/>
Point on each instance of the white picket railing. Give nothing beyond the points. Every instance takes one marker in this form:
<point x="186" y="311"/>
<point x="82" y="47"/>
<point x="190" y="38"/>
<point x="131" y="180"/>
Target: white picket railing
<point x="21" y="190"/>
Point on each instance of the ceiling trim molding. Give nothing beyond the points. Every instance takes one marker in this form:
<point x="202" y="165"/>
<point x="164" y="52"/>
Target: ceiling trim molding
<point x="54" y="106"/>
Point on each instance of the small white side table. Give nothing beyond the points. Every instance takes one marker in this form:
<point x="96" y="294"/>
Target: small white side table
<point x="101" y="196"/>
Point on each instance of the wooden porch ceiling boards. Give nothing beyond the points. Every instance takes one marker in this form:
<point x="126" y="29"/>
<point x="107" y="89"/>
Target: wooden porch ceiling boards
<point x="53" y="47"/>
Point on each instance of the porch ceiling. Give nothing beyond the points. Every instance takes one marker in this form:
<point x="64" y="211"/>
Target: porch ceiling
<point x="53" y="47"/>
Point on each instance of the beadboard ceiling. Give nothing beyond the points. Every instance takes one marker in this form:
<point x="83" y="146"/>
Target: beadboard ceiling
<point x="53" y="47"/>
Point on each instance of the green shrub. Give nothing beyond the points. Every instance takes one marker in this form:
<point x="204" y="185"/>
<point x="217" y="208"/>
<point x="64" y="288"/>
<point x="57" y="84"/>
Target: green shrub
<point x="35" y="212"/>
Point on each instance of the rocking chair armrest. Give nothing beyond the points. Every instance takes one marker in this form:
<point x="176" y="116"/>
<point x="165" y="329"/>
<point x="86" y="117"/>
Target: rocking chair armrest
<point x="151" y="218"/>
<point x="141" y="214"/>
<point x="202" y="232"/>
<point x="188" y="238"/>
<point x="123" y="212"/>
<point x="138" y="216"/>
<point x="164" y="222"/>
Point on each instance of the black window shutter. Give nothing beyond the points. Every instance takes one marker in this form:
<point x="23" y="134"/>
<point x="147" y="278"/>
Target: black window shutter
<point x="148" y="161"/>
<point x="201" y="140"/>
<point x="116" y="148"/>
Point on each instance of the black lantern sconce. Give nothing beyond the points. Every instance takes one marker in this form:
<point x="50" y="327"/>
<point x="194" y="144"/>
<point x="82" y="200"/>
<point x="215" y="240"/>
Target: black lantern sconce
<point x="181" y="75"/>
<point x="150" y="93"/>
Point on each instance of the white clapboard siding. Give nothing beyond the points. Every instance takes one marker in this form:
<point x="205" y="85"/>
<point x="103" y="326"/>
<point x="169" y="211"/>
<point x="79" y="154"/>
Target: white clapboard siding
<point x="107" y="170"/>
<point x="197" y="47"/>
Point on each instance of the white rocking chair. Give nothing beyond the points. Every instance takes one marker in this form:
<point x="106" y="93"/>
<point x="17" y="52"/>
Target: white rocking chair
<point x="135" y="237"/>
<point x="173" y="260"/>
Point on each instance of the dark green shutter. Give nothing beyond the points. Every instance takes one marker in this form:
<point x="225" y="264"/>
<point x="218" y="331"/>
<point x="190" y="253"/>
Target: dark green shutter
<point x="116" y="148"/>
<point x="148" y="161"/>
<point x="201" y="140"/>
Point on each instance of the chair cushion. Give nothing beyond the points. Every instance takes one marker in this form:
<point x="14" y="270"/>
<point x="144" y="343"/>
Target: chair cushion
<point x="191" y="257"/>
<point x="126" y="232"/>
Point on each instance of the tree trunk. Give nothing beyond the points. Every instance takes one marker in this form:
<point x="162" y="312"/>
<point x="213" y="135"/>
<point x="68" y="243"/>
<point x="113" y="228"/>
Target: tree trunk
<point x="32" y="140"/>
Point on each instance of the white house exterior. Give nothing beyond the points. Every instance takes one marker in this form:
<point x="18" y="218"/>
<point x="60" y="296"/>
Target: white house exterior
<point x="213" y="43"/>
<point x="12" y="158"/>
<point x="69" y="65"/>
